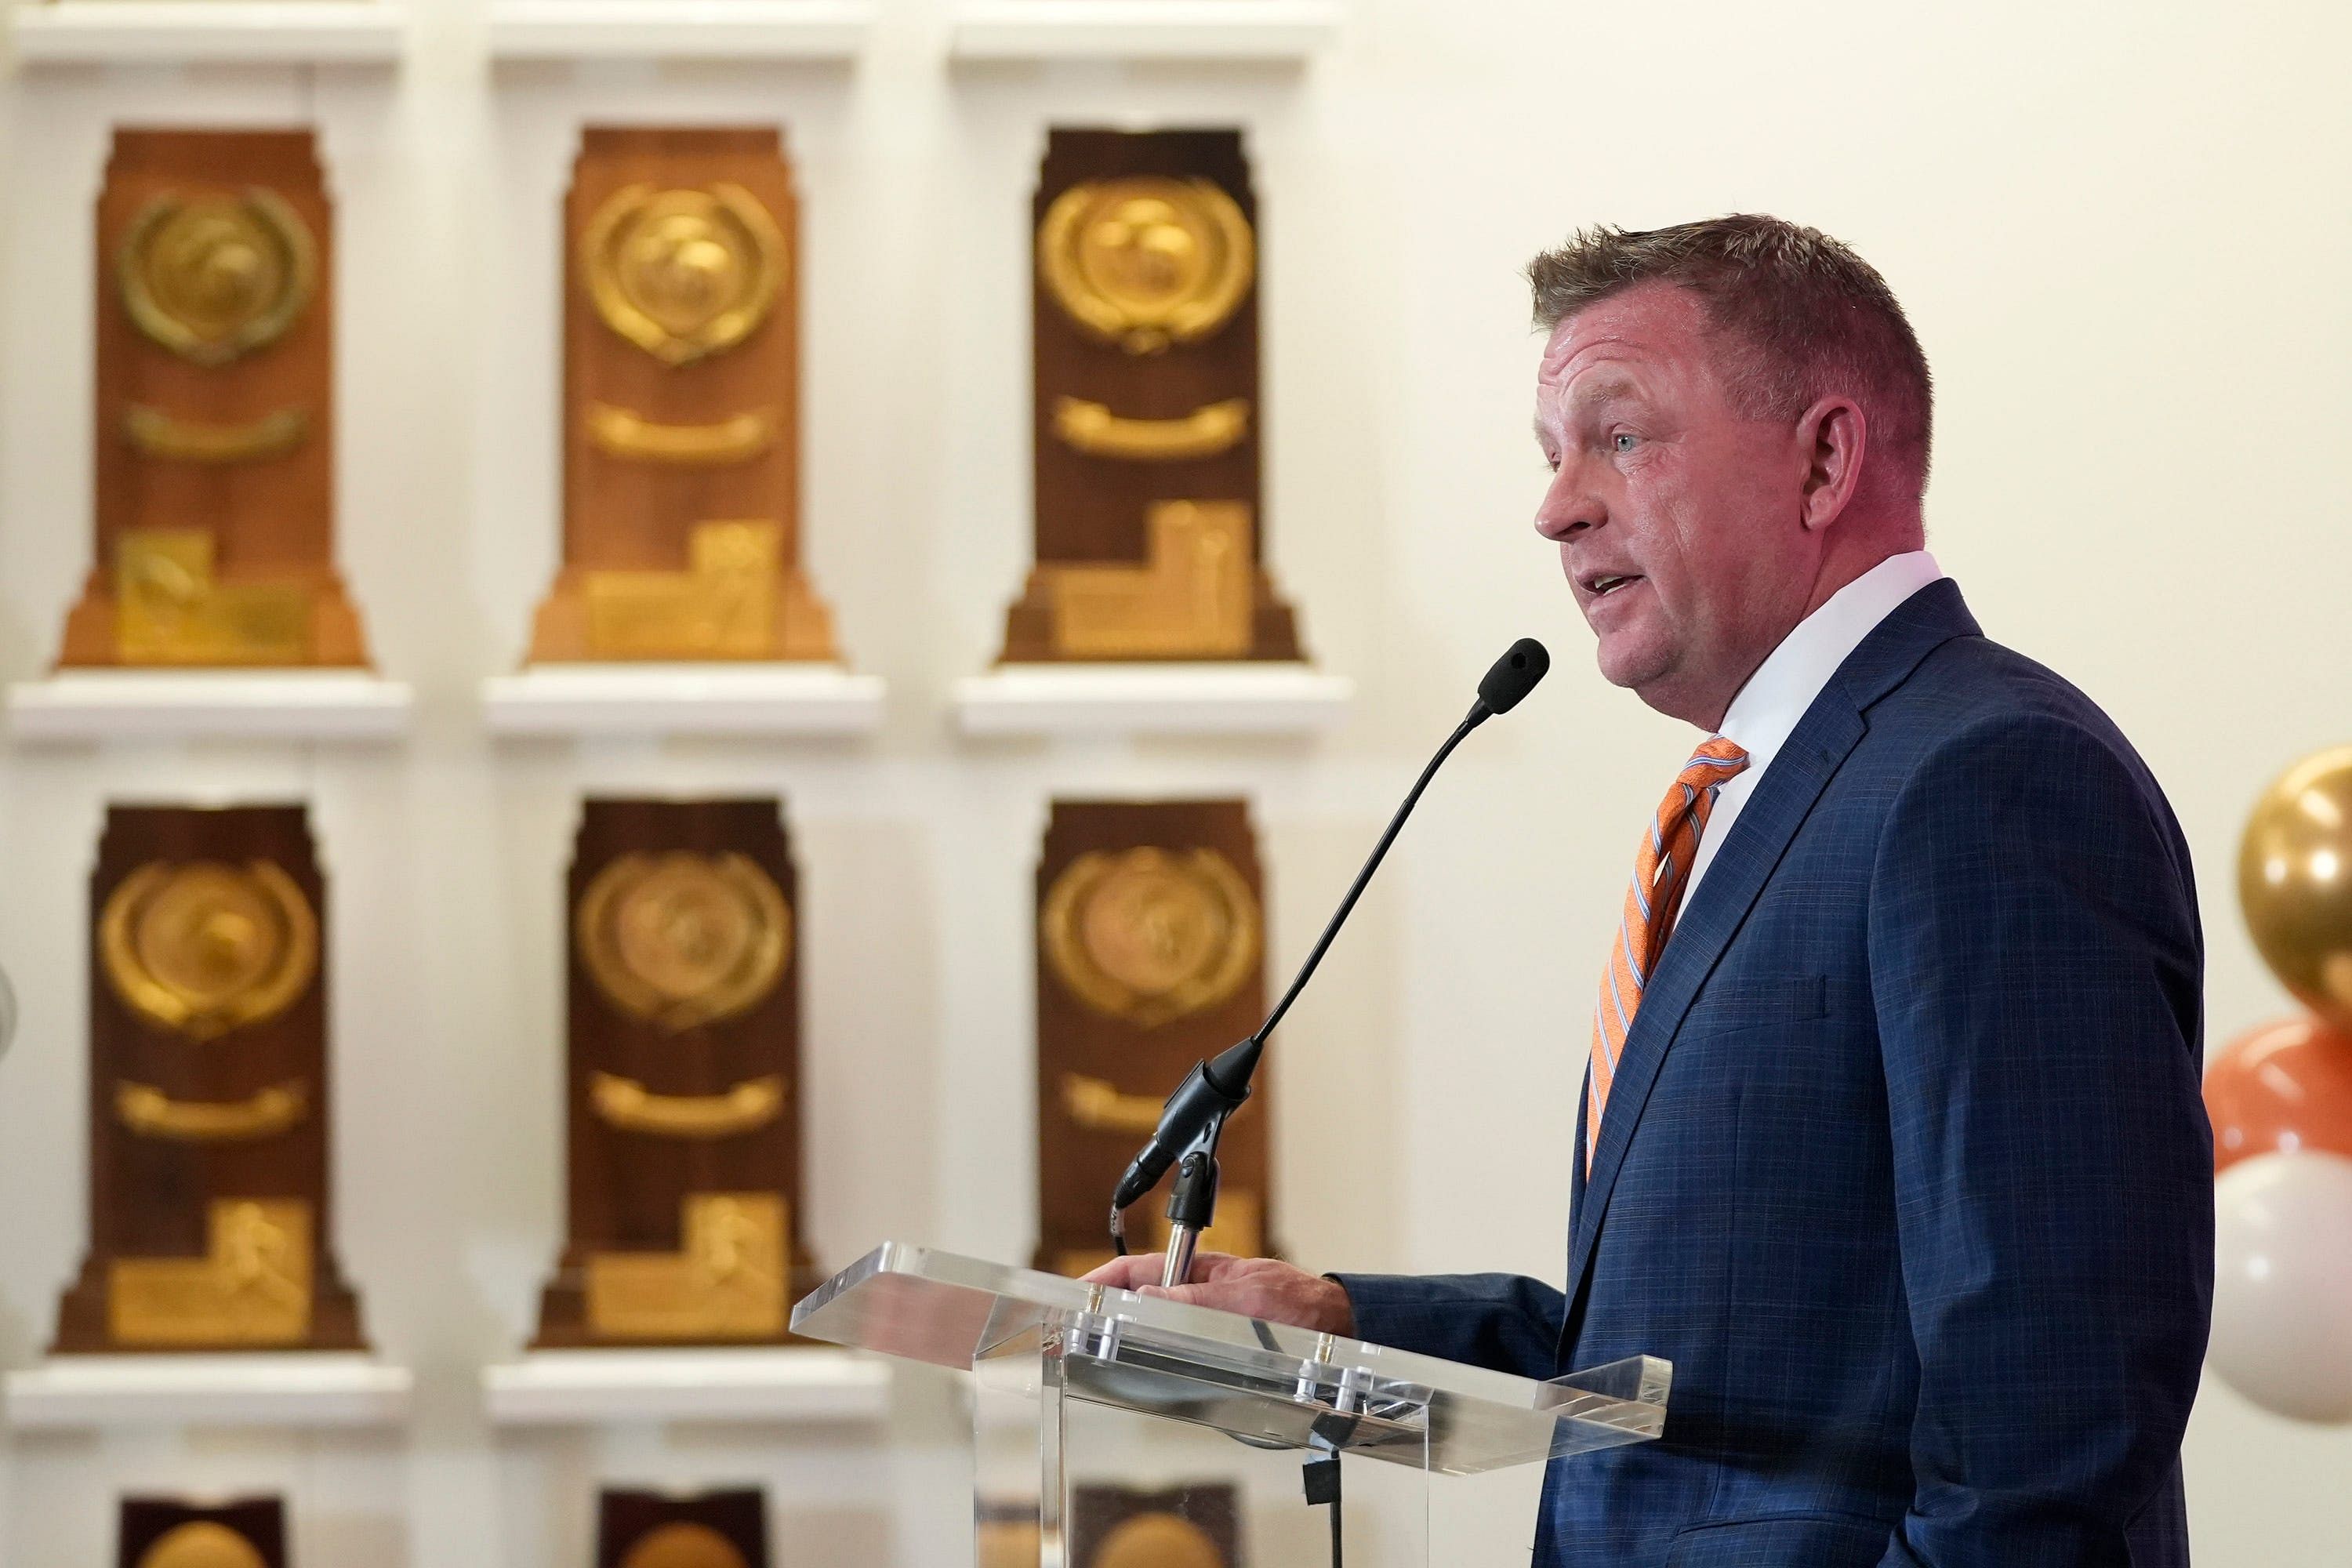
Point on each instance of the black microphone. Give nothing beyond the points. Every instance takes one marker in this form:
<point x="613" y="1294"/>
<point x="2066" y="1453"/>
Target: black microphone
<point x="1215" y="1089"/>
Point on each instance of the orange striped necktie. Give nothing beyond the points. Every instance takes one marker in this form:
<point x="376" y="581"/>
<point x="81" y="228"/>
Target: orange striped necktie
<point x="1661" y="871"/>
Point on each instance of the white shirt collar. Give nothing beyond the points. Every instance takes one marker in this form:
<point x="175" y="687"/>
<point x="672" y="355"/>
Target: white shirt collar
<point x="1765" y="713"/>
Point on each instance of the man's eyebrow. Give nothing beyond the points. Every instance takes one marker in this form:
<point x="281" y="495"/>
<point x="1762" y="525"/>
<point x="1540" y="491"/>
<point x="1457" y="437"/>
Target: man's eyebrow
<point x="1596" y="392"/>
<point x="1603" y="390"/>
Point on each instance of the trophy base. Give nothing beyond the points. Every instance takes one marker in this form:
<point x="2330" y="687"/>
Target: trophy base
<point x="88" y="1318"/>
<point x="567" y="1324"/>
<point x="1036" y="631"/>
<point x="593" y="616"/>
<point x="321" y="629"/>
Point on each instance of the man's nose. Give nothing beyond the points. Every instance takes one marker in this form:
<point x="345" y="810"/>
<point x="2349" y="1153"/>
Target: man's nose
<point x="1569" y="508"/>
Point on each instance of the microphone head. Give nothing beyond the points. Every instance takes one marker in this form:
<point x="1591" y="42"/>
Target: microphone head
<point x="1514" y="676"/>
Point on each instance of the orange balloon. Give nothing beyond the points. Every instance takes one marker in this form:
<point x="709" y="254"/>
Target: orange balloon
<point x="2281" y="1087"/>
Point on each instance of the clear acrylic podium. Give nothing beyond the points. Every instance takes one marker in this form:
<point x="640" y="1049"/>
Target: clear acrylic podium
<point x="1113" y="1430"/>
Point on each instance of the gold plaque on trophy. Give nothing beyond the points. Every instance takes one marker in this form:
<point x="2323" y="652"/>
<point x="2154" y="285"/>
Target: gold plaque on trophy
<point x="1192" y="596"/>
<point x="169" y="609"/>
<point x="727" y="1283"/>
<point x="252" y="1286"/>
<point x="725" y="604"/>
<point x="149" y="1113"/>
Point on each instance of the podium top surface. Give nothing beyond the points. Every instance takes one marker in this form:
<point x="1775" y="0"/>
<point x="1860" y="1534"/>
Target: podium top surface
<point x="1266" y="1382"/>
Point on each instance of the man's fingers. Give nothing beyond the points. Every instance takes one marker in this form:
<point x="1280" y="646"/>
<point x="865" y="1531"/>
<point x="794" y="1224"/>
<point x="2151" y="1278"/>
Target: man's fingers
<point x="1138" y="1269"/>
<point x="1126" y="1273"/>
<point x="1189" y="1295"/>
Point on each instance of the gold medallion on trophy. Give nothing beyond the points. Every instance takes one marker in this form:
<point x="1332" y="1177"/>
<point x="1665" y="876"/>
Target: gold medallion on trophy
<point x="682" y="1544"/>
<point x="211" y="278"/>
<point x="682" y="938"/>
<point x="683" y="274"/>
<point x="202" y="948"/>
<point x="1147" y="261"/>
<point x="1151" y="936"/>
<point x="1158" y="1541"/>
<point x="202" y="1543"/>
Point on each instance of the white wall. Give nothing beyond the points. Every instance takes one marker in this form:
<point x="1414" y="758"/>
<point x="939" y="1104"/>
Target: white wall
<point x="2121" y="231"/>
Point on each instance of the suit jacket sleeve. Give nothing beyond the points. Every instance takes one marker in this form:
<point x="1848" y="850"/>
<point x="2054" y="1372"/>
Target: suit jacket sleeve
<point x="2037" y="971"/>
<point x="1502" y="1321"/>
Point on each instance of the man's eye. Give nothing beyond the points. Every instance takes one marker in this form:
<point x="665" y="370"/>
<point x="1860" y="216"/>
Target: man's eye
<point x="1621" y="442"/>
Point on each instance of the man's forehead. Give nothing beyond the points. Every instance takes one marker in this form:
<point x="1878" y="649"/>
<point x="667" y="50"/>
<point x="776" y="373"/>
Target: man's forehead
<point x="1647" y="325"/>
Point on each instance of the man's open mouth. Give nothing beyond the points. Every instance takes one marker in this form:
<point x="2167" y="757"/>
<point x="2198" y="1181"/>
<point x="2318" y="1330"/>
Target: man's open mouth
<point x="1606" y="585"/>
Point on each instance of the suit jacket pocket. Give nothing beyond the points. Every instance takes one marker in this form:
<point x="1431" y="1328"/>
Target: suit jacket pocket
<point x="1783" y="1541"/>
<point x="1751" y="1002"/>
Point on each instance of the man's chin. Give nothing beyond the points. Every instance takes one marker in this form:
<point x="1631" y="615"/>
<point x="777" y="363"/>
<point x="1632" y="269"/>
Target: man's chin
<point x="1632" y="664"/>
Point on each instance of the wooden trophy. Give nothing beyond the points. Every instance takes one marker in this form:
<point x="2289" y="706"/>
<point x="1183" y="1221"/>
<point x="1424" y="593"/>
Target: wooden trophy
<point x="1150" y="956"/>
<point x="210" y="1225"/>
<point x="657" y="1529"/>
<point x="1149" y="527"/>
<point x="166" y="1533"/>
<point x="684" y="1184"/>
<point x="215" y="479"/>
<point x="681" y="405"/>
<point x="1182" y="1527"/>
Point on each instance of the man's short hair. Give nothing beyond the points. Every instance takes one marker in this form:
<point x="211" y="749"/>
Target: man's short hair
<point x="1809" y="319"/>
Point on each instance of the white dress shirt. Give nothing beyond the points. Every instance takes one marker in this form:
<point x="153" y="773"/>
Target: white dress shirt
<point x="1765" y="713"/>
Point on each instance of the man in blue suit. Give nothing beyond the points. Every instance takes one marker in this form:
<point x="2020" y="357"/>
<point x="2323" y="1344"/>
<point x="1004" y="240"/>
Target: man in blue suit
<point x="1892" y="1140"/>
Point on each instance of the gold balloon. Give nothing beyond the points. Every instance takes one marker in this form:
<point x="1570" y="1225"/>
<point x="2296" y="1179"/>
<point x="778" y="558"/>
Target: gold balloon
<point x="2294" y="881"/>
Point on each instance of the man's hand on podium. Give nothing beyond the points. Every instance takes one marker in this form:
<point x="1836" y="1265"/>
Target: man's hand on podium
<point x="1254" y="1287"/>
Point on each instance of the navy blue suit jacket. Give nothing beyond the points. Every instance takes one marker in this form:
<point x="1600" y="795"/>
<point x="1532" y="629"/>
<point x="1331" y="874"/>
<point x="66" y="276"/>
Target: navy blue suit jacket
<point x="1906" y="1167"/>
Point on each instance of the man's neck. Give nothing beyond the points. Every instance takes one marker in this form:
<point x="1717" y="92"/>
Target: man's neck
<point x="1862" y="553"/>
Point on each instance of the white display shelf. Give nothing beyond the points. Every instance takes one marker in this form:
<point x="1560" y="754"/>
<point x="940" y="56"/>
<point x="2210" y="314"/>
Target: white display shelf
<point x="235" y="32"/>
<point x="556" y="30"/>
<point x="651" y="700"/>
<point x="781" y="1385"/>
<point x="1266" y="30"/>
<point x="1235" y="698"/>
<point x="259" y="1389"/>
<point x="90" y="705"/>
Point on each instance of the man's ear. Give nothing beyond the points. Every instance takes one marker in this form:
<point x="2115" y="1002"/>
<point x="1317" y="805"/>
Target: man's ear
<point x="1833" y="435"/>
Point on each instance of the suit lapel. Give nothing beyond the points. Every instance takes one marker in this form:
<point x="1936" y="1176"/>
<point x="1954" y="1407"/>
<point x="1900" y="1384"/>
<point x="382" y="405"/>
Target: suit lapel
<point x="1783" y="799"/>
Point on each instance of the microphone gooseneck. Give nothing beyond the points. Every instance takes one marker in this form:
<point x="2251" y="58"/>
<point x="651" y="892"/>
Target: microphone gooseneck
<point x="1215" y="1089"/>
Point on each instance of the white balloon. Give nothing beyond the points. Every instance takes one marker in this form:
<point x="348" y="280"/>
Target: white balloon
<point x="2282" y="1283"/>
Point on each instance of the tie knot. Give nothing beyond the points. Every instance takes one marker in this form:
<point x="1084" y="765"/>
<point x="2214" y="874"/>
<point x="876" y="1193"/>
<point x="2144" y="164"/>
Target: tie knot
<point x="1715" y="762"/>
